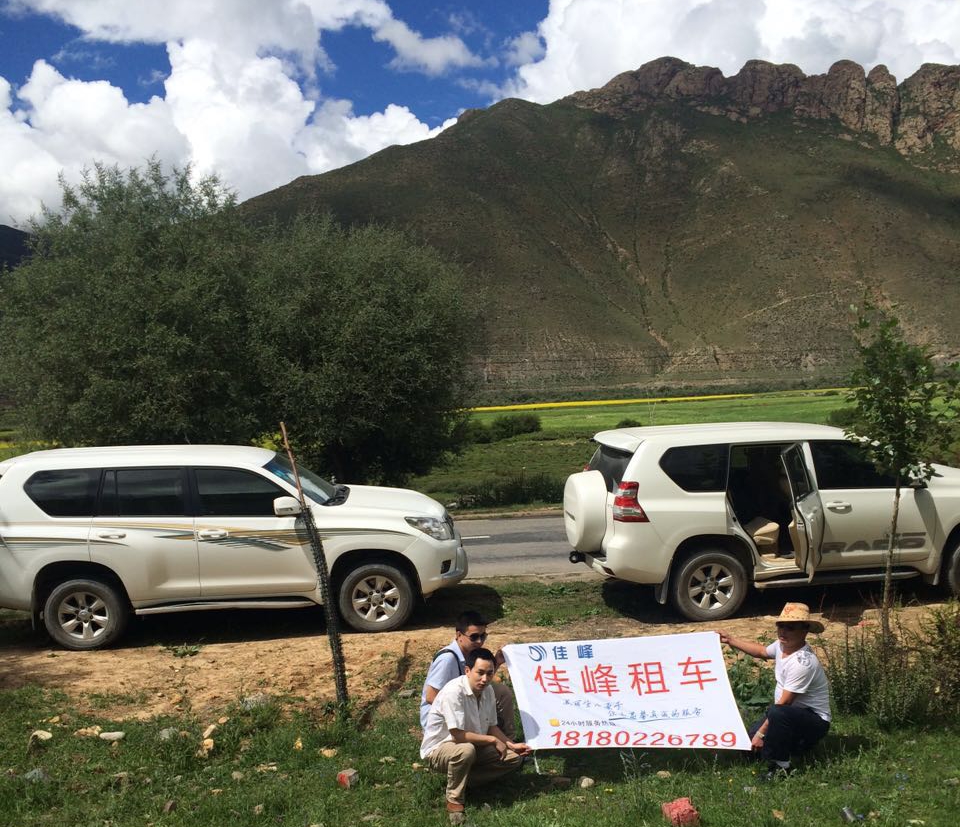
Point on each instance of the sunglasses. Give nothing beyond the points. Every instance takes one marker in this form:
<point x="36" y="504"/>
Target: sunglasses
<point x="792" y="627"/>
<point x="477" y="637"/>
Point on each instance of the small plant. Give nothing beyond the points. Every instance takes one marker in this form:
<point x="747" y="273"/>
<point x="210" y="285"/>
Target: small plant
<point x="629" y="423"/>
<point x="184" y="650"/>
<point x="752" y="684"/>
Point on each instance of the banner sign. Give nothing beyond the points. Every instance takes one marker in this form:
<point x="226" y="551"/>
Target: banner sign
<point x="666" y="691"/>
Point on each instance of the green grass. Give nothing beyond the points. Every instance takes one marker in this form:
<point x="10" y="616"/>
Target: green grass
<point x="563" y="445"/>
<point x="255" y="775"/>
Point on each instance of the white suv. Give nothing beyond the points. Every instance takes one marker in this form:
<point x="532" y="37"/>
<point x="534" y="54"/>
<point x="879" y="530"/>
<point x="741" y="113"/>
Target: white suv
<point x="89" y="535"/>
<point x="703" y="511"/>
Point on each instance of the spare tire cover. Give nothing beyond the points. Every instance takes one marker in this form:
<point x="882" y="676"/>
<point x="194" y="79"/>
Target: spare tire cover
<point x="585" y="510"/>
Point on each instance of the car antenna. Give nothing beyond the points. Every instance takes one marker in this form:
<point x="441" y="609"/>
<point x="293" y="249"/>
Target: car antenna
<point x="323" y="575"/>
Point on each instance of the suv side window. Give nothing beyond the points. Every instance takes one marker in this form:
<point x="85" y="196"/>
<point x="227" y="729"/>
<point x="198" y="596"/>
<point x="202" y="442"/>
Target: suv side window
<point x="842" y="464"/>
<point x="230" y="492"/>
<point x="143" y="492"/>
<point x="71" y="492"/>
<point x="612" y="463"/>
<point x="697" y="467"/>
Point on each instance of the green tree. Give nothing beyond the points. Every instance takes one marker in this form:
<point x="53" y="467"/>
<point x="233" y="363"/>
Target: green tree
<point x="126" y="324"/>
<point x="363" y="338"/>
<point x="906" y="412"/>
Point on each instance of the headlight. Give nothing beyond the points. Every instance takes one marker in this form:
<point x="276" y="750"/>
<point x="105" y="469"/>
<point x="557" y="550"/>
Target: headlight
<point x="436" y="528"/>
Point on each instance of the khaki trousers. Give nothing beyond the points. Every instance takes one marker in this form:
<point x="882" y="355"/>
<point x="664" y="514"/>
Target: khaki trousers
<point x="469" y="765"/>
<point x="505" y="710"/>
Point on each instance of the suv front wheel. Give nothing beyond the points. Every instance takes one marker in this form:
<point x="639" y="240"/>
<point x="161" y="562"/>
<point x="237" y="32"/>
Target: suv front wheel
<point x="709" y="585"/>
<point x="85" y="614"/>
<point x="376" y="598"/>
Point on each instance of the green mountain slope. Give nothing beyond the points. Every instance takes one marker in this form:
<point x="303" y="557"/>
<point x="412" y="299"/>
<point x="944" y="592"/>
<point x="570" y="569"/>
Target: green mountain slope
<point x="659" y="244"/>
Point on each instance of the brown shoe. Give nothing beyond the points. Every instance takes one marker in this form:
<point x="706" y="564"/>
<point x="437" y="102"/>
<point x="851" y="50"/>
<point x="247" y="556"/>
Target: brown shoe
<point x="455" y="812"/>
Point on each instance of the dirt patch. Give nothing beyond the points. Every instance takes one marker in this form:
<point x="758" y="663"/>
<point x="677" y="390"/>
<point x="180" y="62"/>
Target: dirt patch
<point x="287" y="655"/>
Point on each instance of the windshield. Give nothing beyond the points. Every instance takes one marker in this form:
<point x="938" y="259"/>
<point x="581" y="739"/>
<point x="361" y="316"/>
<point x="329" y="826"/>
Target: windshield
<point x="316" y="488"/>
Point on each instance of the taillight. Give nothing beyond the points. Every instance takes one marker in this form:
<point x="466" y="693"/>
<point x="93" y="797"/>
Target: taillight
<point x="626" y="509"/>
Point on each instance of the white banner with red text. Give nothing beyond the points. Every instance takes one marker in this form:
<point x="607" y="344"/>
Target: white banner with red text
<point x="666" y="691"/>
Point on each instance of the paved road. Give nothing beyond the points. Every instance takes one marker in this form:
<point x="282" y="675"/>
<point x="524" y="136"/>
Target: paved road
<point x="517" y="545"/>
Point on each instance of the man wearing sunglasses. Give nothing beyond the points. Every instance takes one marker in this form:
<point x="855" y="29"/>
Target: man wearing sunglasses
<point x="800" y="714"/>
<point x="449" y="663"/>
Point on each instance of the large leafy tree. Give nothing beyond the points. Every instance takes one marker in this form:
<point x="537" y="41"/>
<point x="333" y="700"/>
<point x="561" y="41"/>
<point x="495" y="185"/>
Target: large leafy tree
<point x="906" y="409"/>
<point x="363" y="338"/>
<point x="151" y="311"/>
<point x="126" y="323"/>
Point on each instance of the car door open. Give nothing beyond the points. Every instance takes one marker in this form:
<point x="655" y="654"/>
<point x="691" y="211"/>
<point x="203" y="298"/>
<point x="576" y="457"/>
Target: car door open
<point x="807" y="510"/>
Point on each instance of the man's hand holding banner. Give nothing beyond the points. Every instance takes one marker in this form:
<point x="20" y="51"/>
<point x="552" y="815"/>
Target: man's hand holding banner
<point x="662" y="691"/>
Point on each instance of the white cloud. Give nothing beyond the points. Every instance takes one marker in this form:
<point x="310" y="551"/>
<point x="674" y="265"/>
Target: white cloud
<point x="433" y="55"/>
<point x="524" y="48"/>
<point x="587" y="42"/>
<point x="232" y="104"/>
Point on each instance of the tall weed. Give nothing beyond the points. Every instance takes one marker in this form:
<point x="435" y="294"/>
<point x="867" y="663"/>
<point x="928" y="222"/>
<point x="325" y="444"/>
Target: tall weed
<point x="912" y="678"/>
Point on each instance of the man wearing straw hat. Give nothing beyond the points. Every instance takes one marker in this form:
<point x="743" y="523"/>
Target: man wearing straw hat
<point x="800" y="714"/>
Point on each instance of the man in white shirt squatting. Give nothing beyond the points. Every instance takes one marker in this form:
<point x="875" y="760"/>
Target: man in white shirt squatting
<point x="470" y="633"/>
<point x="461" y="736"/>
<point x="800" y="714"/>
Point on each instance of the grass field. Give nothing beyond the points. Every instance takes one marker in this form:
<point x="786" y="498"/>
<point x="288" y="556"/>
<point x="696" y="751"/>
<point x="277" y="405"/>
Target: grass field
<point x="272" y="765"/>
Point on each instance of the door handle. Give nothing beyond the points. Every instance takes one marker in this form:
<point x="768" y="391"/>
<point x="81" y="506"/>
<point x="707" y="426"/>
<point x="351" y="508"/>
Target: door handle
<point x="838" y="505"/>
<point x="119" y="535"/>
<point x="212" y="534"/>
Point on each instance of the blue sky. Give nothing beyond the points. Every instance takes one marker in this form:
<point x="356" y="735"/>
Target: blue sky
<point x="261" y="91"/>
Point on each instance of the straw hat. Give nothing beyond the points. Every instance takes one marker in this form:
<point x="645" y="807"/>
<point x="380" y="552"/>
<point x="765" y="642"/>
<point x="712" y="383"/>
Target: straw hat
<point x="799" y="613"/>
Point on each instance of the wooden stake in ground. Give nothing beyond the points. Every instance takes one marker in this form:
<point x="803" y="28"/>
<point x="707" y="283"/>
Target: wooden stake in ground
<point x="323" y="575"/>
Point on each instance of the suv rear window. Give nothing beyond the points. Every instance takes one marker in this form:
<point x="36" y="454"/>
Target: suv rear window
<point x="68" y="493"/>
<point x="697" y="467"/>
<point x="612" y="463"/>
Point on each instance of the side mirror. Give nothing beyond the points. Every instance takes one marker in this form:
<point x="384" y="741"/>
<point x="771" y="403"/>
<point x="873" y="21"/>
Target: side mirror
<point x="286" y="507"/>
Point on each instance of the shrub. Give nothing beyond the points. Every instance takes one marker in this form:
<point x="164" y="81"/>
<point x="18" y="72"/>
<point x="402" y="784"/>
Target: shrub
<point x="517" y="489"/>
<point x="753" y="686"/>
<point x="629" y="423"/>
<point x="504" y="427"/>
<point x="911" y="678"/>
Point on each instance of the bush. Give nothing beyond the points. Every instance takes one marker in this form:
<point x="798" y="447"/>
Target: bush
<point x="518" y="489"/>
<point x="753" y="686"/>
<point x="504" y="427"/>
<point x="842" y="417"/>
<point x="912" y="678"/>
<point x="629" y="423"/>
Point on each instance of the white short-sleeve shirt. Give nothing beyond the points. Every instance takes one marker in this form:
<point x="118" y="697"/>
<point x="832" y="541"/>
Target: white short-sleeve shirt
<point x="456" y="707"/>
<point x="446" y="666"/>
<point x="802" y="674"/>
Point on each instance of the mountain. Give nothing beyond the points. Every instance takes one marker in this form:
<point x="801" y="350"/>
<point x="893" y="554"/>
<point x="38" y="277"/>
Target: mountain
<point x="13" y="246"/>
<point x="677" y="228"/>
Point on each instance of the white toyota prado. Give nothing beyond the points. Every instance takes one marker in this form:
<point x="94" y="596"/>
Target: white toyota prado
<point x="90" y="535"/>
<point x="704" y="511"/>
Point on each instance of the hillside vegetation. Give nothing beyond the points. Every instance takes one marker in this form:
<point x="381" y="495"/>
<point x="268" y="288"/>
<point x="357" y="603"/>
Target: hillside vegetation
<point x="660" y="239"/>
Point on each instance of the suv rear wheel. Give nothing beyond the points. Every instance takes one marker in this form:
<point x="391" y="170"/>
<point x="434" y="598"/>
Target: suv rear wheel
<point x="376" y="598"/>
<point x="85" y="614"/>
<point x="709" y="585"/>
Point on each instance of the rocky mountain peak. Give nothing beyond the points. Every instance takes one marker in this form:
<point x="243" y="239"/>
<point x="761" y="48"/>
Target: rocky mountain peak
<point x="910" y="116"/>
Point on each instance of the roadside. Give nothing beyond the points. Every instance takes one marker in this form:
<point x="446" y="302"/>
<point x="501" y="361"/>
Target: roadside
<point x="204" y="662"/>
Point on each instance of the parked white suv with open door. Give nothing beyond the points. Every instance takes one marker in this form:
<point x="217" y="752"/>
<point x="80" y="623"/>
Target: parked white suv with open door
<point x="90" y="535"/>
<point x="702" y="512"/>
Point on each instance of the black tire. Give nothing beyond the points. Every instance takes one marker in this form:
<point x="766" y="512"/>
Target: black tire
<point x="376" y="597"/>
<point x="951" y="570"/>
<point x="709" y="585"/>
<point x="85" y="614"/>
